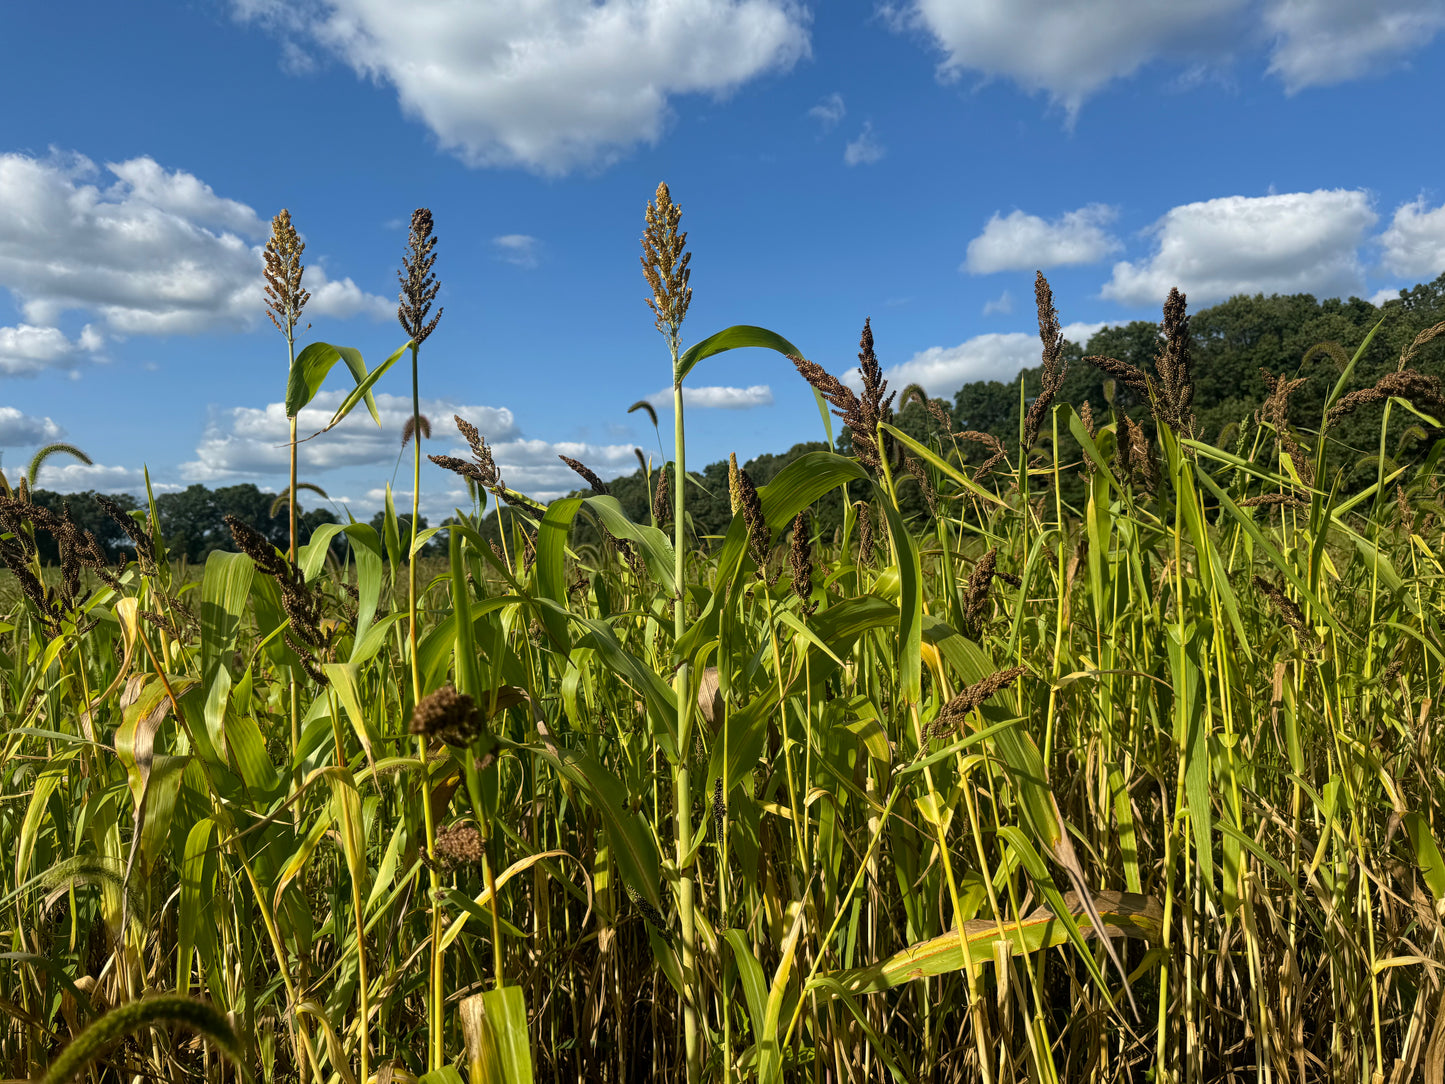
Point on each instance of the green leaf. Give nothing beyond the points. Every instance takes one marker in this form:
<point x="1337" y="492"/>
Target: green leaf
<point x="1427" y="854"/>
<point x="309" y="370"/>
<point x="225" y="587"/>
<point x="365" y="382"/>
<point x="731" y="339"/>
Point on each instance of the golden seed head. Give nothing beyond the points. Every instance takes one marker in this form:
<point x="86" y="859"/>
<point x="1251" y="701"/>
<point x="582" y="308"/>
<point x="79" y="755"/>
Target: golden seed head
<point x="284" y="296"/>
<point x="664" y="264"/>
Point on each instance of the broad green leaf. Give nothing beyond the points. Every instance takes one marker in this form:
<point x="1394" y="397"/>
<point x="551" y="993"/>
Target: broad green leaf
<point x="225" y="587"/>
<point x="309" y="370"/>
<point x="731" y="339"/>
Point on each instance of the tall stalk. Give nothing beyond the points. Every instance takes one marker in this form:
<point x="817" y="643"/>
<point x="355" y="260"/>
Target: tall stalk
<point x="418" y="289"/>
<point x="284" y="301"/>
<point x="664" y="265"/>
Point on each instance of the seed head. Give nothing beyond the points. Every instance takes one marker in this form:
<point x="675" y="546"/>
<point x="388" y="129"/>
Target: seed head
<point x="483" y="471"/>
<point x="760" y="538"/>
<point x="459" y="844"/>
<point x="284" y="296"/>
<point x="661" y="499"/>
<point x="956" y="710"/>
<point x="734" y="493"/>
<point x="800" y="561"/>
<point x="418" y="285"/>
<point x="664" y="264"/>
<point x="447" y="715"/>
<point x="599" y="487"/>
<point x="719" y="808"/>
<point x="412" y="424"/>
<point x="1176" y="390"/>
<point x="1054" y="365"/>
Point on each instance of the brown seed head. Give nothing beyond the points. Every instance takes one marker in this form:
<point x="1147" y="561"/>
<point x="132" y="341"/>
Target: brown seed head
<point x="661" y="498"/>
<point x="418" y="285"/>
<point x="1176" y="390"/>
<point x="599" y="487"/>
<point x="483" y="471"/>
<point x="447" y="715"/>
<point x="956" y="710"/>
<point x="459" y="844"/>
<point x="284" y="296"/>
<point x="800" y="562"/>
<point x="1053" y="367"/>
<point x="411" y="425"/>
<point x="760" y="538"/>
<point x="664" y="264"/>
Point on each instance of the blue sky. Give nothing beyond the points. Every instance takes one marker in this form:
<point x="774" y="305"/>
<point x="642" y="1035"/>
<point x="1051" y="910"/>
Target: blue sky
<point x="911" y="162"/>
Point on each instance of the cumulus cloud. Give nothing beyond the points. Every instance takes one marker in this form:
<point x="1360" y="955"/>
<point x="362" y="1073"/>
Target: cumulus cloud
<point x="70" y="477"/>
<point x="1064" y="48"/>
<point x="865" y="150"/>
<point x="1380" y="297"/>
<point x="250" y="442"/>
<point x="1024" y="242"/>
<point x="1297" y="242"/>
<point x="942" y="370"/>
<point x="1414" y="245"/>
<point x="26" y="349"/>
<point x="1001" y="305"/>
<point x="518" y="249"/>
<point x="724" y="398"/>
<point x="18" y="430"/>
<point x="1070" y="49"/>
<point x="547" y="86"/>
<point x="829" y="111"/>
<point x="141" y="249"/>
<point x="1319" y="42"/>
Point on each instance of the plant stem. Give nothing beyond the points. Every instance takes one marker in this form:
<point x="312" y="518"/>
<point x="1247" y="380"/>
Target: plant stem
<point x="681" y="780"/>
<point x="434" y="1015"/>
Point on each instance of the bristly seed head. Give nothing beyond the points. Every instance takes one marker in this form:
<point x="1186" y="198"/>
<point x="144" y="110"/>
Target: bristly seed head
<point x="956" y="710"/>
<point x="664" y="264"/>
<point x="418" y="285"/>
<point x="284" y="296"/>
<point x="447" y="715"/>
<point x="483" y="471"/>
<point x="411" y="425"/>
<point x="1054" y="365"/>
<point x="735" y="498"/>
<point x="662" y="498"/>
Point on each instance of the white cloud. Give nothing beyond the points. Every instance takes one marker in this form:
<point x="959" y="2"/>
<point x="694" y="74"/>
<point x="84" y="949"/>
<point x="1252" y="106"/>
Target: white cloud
<point x="549" y="86"/>
<point x="1070" y="49"/>
<point x="1024" y="242"/>
<point x="1297" y="242"/>
<point x="724" y="398"/>
<point x="26" y="349"/>
<point x="865" y="150"/>
<point x="1415" y="242"/>
<point x="942" y="370"/>
<point x="250" y="442"/>
<point x="1002" y="305"/>
<point x="1319" y="42"/>
<point x="518" y="249"/>
<point x="152" y="252"/>
<point x="1379" y="297"/>
<point x="829" y="111"/>
<point x="76" y="477"/>
<point x="17" y="430"/>
<point x="1067" y="48"/>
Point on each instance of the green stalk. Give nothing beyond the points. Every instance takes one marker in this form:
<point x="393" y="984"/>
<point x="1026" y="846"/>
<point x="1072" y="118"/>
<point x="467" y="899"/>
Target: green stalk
<point x="436" y="1004"/>
<point x="681" y="779"/>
